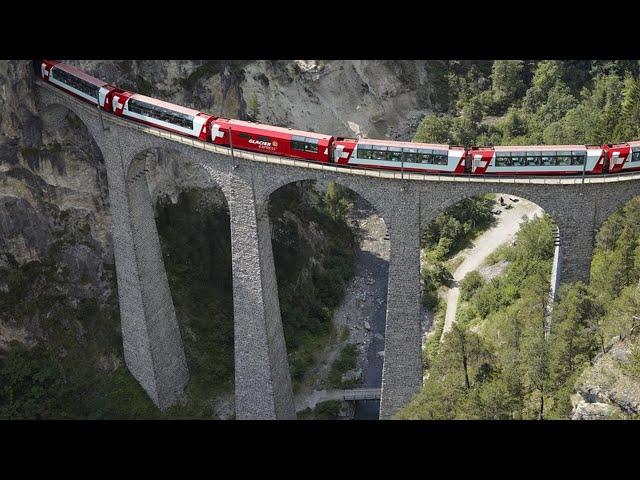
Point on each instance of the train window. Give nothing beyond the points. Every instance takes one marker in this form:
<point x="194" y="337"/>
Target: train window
<point x="309" y="147"/>
<point x="546" y="161"/>
<point x="503" y="159"/>
<point x="563" y="160"/>
<point x="264" y="139"/>
<point x="379" y="153"/>
<point x="635" y="154"/>
<point x="425" y="156"/>
<point x="364" y="151"/>
<point x="75" y="82"/>
<point x="395" y="154"/>
<point x="578" y="159"/>
<point x="411" y="155"/>
<point x="519" y="160"/>
<point x="297" y="143"/>
<point x="160" y="113"/>
<point x="440" y="157"/>
<point x="533" y="159"/>
<point x="366" y="154"/>
<point x="246" y="136"/>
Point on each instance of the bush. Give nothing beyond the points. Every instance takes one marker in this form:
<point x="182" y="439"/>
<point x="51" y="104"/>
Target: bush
<point x="347" y="360"/>
<point x="471" y="282"/>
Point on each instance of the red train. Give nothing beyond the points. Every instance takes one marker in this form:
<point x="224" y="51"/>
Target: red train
<point x="362" y="153"/>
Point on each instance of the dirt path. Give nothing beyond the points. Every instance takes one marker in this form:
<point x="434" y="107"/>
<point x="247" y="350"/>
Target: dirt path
<point x="504" y="231"/>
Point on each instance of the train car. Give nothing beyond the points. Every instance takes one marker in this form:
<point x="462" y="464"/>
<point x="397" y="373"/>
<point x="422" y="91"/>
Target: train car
<point x="633" y="159"/>
<point x="535" y="160"/>
<point x="272" y="140"/>
<point x="165" y="115"/>
<point x="343" y="150"/>
<point x="76" y="82"/>
<point x="622" y="157"/>
<point x="408" y="156"/>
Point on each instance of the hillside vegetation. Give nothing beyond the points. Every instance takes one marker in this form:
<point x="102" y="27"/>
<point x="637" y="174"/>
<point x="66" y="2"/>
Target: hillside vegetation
<point x="515" y="102"/>
<point x="497" y="362"/>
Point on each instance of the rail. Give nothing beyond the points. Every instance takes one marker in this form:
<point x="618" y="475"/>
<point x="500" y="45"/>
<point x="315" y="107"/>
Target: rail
<point x="347" y="169"/>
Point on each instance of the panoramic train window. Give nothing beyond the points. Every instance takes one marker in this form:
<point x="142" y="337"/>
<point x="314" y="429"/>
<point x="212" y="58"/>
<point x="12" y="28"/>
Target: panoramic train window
<point x="364" y="152"/>
<point x="503" y="159"/>
<point x="311" y="145"/>
<point x="546" y="160"/>
<point x="425" y="156"/>
<point x="578" y="158"/>
<point x="379" y="153"/>
<point x="411" y="155"/>
<point x="75" y="82"/>
<point x="160" y="113"/>
<point x="519" y="161"/>
<point x="440" y="157"/>
<point x="395" y="154"/>
<point x="304" y="144"/>
<point x="563" y="159"/>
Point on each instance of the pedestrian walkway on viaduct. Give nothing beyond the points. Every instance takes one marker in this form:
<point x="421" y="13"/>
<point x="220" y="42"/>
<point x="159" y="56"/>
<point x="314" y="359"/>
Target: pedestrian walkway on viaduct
<point x="408" y="203"/>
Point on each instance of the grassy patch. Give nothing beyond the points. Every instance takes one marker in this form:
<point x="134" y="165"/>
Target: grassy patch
<point x="346" y="361"/>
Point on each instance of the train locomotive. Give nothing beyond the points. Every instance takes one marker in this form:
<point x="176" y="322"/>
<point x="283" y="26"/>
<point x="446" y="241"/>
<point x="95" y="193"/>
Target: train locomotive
<point x="323" y="148"/>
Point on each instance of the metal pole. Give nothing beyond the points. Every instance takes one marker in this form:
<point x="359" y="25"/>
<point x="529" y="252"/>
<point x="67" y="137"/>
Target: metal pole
<point x="100" y="112"/>
<point x="231" y="145"/>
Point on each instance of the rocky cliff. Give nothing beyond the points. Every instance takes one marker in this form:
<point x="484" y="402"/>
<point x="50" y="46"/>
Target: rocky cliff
<point x="53" y="189"/>
<point x="58" y="295"/>
<point x="342" y="97"/>
<point x="610" y="389"/>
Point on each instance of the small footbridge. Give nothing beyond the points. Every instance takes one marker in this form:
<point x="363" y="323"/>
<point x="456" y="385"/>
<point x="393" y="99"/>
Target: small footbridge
<point x="319" y="396"/>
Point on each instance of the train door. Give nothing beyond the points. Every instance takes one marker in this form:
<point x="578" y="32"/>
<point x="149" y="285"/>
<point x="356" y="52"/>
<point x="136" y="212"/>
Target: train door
<point x="468" y="166"/>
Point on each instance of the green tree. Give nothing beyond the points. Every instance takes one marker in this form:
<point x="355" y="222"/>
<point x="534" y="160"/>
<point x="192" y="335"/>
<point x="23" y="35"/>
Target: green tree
<point x="435" y="129"/>
<point x="337" y="203"/>
<point x="507" y="82"/>
<point x="471" y="282"/>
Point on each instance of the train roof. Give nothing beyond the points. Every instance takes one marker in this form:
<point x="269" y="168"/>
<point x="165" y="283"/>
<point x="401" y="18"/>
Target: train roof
<point x="273" y="128"/>
<point x="635" y="143"/>
<point x="395" y="143"/>
<point x="167" y="105"/>
<point x="79" y="73"/>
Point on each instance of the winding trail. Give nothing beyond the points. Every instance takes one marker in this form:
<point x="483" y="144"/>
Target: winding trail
<point x="504" y="231"/>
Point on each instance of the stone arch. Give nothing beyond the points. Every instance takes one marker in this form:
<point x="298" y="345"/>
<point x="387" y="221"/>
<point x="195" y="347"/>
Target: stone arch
<point x="454" y="193"/>
<point x="270" y="183"/>
<point x="157" y="170"/>
<point x="188" y="170"/>
<point x="51" y="111"/>
<point x="363" y="309"/>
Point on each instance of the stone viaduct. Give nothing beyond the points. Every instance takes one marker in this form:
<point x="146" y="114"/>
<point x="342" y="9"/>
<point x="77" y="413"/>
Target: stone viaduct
<point x="408" y="202"/>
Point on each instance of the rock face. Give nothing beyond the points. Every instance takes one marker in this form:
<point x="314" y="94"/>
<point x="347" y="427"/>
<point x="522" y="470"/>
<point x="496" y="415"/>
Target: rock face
<point x="607" y="390"/>
<point x="54" y="205"/>
<point x="53" y="192"/>
<point x="342" y="97"/>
